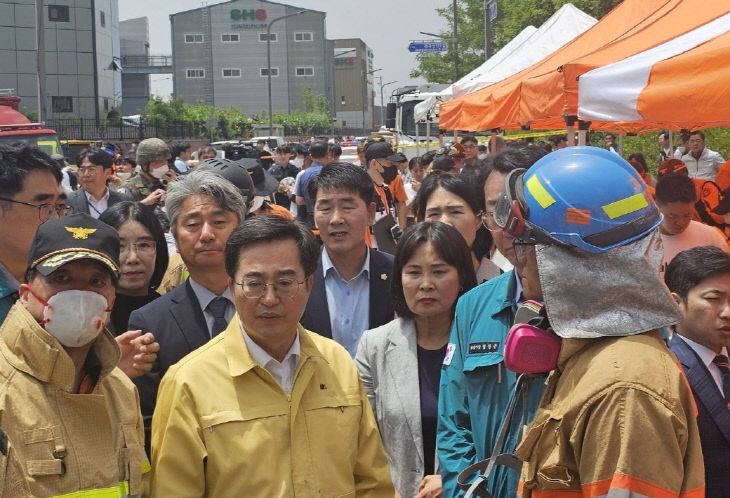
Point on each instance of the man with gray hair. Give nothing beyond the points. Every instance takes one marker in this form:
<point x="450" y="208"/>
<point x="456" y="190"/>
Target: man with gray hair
<point x="204" y="208"/>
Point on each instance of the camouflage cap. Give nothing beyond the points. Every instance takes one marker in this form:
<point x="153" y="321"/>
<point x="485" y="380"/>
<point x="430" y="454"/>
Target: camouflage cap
<point x="152" y="149"/>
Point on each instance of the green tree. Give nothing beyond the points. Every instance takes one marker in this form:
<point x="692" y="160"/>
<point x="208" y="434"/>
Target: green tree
<point x="512" y="18"/>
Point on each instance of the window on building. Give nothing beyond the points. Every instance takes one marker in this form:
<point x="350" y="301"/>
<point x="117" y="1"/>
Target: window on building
<point x="262" y="37"/>
<point x="304" y="71"/>
<point x="274" y="72"/>
<point x="195" y="73"/>
<point x="303" y="36"/>
<point x="62" y="104"/>
<point x="102" y="18"/>
<point x="193" y="37"/>
<point x="106" y="104"/>
<point x="58" y="13"/>
<point x="343" y="101"/>
<point x="230" y="37"/>
<point x="231" y="72"/>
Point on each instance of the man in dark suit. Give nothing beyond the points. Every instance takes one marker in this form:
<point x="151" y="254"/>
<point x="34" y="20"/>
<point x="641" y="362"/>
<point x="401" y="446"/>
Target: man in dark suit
<point x="699" y="280"/>
<point x="94" y="197"/>
<point x="351" y="290"/>
<point x="204" y="208"/>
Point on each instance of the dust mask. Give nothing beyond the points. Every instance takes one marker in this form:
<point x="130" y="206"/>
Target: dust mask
<point x="74" y="317"/>
<point x="160" y="172"/>
<point x="123" y="176"/>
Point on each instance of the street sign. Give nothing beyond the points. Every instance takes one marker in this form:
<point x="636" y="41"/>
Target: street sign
<point x="492" y="10"/>
<point x="427" y="46"/>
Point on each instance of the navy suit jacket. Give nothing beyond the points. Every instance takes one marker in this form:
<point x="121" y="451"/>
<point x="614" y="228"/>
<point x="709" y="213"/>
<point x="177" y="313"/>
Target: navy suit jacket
<point x="77" y="200"/>
<point x="317" y="315"/>
<point x="713" y="419"/>
<point x="179" y="327"/>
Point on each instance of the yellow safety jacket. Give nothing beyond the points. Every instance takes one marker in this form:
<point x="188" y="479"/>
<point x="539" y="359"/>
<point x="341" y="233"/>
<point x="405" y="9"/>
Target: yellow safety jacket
<point x="617" y="419"/>
<point x="68" y="445"/>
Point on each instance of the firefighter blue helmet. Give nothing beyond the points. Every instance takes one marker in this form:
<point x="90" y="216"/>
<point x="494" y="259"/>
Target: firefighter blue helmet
<point x="584" y="197"/>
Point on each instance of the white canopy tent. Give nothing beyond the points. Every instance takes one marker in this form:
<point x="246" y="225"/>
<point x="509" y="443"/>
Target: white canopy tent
<point x="530" y="46"/>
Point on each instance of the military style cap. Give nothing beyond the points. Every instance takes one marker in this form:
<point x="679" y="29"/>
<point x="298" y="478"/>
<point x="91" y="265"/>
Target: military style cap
<point x="79" y="236"/>
<point x="152" y="149"/>
<point x="377" y="150"/>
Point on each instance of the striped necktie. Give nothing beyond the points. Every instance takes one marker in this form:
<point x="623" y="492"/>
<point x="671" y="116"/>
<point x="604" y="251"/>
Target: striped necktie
<point x="723" y="364"/>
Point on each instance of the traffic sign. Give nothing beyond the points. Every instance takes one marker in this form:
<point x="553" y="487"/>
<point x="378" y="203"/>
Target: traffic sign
<point x="492" y="6"/>
<point x="427" y="46"/>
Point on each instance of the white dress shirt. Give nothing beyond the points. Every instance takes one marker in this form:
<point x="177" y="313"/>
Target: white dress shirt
<point x="97" y="207"/>
<point x="282" y="372"/>
<point x="707" y="355"/>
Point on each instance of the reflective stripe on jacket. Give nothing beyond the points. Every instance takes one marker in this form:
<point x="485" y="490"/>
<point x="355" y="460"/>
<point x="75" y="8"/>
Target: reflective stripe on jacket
<point x="617" y="419"/>
<point x="69" y="445"/>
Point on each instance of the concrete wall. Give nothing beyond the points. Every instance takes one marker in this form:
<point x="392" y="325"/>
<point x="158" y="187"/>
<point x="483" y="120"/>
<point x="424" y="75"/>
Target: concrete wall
<point x="134" y="40"/>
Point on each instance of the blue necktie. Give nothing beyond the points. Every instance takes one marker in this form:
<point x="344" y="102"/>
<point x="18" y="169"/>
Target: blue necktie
<point x="217" y="308"/>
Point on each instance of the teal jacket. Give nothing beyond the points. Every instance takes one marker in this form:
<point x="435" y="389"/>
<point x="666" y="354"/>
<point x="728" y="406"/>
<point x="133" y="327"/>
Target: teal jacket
<point x="8" y="295"/>
<point x="476" y="387"/>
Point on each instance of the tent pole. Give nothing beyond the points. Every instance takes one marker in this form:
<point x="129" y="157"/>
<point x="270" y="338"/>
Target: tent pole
<point x="621" y="143"/>
<point x="418" y="139"/>
<point x="493" y="142"/>
<point x="671" y="140"/>
<point x="583" y="127"/>
<point x="570" y="129"/>
<point x="428" y="135"/>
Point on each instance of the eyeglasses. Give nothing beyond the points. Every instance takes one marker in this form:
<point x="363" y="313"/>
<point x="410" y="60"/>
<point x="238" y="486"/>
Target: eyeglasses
<point x="45" y="211"/>
<point x="284" y="288"/>
<point x="522" y="249"/>
<point x="89" y="170"/>
<point x="487" y="218"/>
<point x="141" y="247"/>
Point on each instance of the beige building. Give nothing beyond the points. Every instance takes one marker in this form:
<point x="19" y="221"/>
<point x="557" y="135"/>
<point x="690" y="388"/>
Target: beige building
<point x="354" y="85"/>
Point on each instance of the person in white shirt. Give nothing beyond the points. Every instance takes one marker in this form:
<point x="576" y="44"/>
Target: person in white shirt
<point x="675" y="198"/>
<point x="701" y="162"/>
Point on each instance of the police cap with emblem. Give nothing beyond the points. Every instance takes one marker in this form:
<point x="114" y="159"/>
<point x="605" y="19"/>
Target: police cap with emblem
<point x="79" y="236"/>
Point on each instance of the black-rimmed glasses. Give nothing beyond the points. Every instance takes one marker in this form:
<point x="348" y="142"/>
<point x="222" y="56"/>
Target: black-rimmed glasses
<point x="45" y="211"/>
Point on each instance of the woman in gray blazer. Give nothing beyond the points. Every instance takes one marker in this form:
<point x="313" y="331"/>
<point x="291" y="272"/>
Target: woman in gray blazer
<point x="400" y="362"/>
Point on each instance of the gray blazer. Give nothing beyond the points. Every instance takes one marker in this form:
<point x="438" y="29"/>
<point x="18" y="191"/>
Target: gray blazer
<point x="388" y="364"/>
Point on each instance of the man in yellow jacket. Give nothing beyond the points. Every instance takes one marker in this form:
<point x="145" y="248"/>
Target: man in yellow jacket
<point x="73" y="417"/>
<point x="267" y="408"/>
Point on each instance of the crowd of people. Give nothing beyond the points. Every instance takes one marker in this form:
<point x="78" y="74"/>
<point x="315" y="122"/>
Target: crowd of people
<point x="490" y="319"/>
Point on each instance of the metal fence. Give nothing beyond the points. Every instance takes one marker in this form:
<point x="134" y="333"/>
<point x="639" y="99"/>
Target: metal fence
<point x="91" y="129"/>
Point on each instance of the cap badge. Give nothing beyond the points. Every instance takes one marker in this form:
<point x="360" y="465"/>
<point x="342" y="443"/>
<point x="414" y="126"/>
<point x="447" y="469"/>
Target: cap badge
<point x="383" y="276"/>
<point x="80" y="232"/>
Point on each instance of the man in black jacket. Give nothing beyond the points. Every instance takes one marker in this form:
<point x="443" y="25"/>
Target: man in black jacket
<point x="699" y="280"/>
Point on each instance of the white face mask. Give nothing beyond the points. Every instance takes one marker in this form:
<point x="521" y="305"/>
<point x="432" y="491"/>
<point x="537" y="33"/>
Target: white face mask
<point x="123" y="176"/>
<point x="298" y="162"/>
<point x="481" y="157"/>
<point x="75" y="317"/>
<point x="160" y="172"/>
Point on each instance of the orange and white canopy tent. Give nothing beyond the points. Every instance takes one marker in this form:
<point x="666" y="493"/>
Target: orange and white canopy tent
<point x="543" y="94"/>
<point x="682" y="83"/>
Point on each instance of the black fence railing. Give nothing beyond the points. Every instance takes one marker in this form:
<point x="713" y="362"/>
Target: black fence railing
<point x="91" y="129"/>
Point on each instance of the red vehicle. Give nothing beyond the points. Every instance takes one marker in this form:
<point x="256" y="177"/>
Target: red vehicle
<point x="15" y="127"/>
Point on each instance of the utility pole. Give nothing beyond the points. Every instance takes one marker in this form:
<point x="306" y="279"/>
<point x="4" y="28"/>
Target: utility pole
<point x="41" y="59"/>
<point x="455" y="44"/>
<point x="383" y="85"/>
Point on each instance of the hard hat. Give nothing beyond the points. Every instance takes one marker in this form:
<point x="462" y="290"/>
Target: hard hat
<point x="233" y="171"/>
<point x="152" y="149"/>
<point x="584" y="197"/>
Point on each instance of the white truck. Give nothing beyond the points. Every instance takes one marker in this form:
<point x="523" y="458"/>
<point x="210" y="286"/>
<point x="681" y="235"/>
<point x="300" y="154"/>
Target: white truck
<point x="412" y="138"/>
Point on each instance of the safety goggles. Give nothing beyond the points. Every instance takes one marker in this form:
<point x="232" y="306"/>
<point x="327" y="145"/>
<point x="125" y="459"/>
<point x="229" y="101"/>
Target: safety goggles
<point x="511" y="212"/>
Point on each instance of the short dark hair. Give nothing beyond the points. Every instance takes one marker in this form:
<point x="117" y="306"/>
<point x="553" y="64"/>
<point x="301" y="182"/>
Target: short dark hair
<point x="610" y="135"/>
<point x="343" y="176"/>
<point x="270" y="228"/>
<point x="639" y="158"/>
<point x="449" y="245"/>
<point x="451" y="182"/>
<point x="16" y="161"/>
<point x="336" y="151"/>
<point x="556" y="139"/>
<point x="470" y="138"/>
<point x="690" y="267"/>
<point x="675" y="188"/>
<point x="283" y="149"/>
<point x="96" y="156"/>
<point x="126" y="159"/>
<point x="512" y="158"/>
<point x="121" y="212"/>
<point x="700" y="133"/>
<point x="179" y="147"/>
<point x="318" y="149"/>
